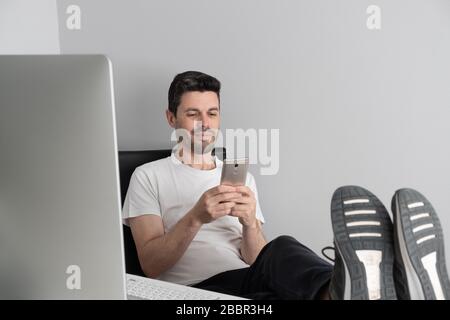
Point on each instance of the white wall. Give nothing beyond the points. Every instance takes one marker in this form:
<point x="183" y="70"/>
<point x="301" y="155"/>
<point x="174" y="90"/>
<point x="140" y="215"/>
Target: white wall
<point x="28" y="27"/>
<point x="353" y="106"/>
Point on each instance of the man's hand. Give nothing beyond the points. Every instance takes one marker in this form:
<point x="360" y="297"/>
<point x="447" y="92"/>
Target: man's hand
<point x="215" y="203"/>
<point x="245" y="208"/>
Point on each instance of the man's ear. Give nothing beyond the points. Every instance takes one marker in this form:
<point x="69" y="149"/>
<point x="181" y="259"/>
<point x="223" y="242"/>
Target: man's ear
<point x="170" y="118"/>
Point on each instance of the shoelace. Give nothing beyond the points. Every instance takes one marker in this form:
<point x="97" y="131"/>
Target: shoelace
<point x="327" y="256"/>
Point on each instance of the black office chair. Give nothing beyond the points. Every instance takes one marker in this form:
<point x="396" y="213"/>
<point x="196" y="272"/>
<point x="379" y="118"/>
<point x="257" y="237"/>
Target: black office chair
<point x="128" y="161"/>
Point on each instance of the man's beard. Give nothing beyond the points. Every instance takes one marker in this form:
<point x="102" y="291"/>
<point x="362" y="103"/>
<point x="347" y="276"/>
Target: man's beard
<point x="193" y="141"/>
<point x="202" y="147"/>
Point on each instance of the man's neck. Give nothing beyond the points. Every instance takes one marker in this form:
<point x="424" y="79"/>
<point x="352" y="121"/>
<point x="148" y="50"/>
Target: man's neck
<point x="204" y="161"/>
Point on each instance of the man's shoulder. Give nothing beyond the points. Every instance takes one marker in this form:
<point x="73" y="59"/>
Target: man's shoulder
<point x="153" y="167"/>
<point x="250" y="178"/>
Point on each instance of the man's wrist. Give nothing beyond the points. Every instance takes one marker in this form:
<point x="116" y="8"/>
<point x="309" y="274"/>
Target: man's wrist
<point x="193" y="221"/>
<point x="251" y="226"/>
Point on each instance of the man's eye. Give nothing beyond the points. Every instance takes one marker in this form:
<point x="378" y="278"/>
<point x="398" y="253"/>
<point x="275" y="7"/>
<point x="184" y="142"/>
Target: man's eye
<point x="213" y="114"/>
<point x="192" y="114"/>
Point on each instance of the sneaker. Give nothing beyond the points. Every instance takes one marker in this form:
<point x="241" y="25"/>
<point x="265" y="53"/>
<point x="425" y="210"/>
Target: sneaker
<point x="421" y="272"/>
<point x="363" y="240"/>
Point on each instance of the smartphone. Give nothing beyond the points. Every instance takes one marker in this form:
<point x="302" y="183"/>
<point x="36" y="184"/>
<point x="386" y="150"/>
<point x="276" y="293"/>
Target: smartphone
<point x="234" y="172"/>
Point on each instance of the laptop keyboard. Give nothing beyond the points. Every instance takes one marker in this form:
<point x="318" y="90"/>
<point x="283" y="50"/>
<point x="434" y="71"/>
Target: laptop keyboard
<point x="149" y="289"/>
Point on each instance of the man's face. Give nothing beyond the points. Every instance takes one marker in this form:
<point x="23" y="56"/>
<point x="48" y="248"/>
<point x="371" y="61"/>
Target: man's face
<point x="198" y="114"/>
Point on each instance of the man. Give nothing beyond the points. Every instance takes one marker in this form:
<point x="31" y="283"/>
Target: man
<point x="190" y="230"/>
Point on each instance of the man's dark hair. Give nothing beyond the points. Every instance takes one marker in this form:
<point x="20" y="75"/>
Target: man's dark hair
<point x="190" y="81"/>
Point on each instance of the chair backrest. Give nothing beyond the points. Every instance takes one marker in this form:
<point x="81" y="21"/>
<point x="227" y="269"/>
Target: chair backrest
<point x="128" y="162"/>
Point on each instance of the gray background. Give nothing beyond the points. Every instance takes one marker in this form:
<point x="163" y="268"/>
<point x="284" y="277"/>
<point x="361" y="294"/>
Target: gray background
<point x="353" y="106"/>
<point x="28" y="27"/>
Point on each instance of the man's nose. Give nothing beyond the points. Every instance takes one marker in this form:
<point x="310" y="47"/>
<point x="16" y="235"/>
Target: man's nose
<point x="205" y="121"/>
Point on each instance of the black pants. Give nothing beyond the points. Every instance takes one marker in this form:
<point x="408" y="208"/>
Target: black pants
<point x="284" y="269"/>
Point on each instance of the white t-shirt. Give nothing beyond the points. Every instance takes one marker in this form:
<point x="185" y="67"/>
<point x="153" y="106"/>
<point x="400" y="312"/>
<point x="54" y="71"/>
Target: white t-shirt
<point x="169" y="189"/>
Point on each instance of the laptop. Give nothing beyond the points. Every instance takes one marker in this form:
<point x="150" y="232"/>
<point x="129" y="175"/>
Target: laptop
<point x="60" y="214"/>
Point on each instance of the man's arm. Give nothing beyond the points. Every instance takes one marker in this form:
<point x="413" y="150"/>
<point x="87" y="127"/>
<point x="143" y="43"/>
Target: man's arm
<point x="159" y="251"/>
<point x="252" y="236"/>
<point x="252" y="242"/>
